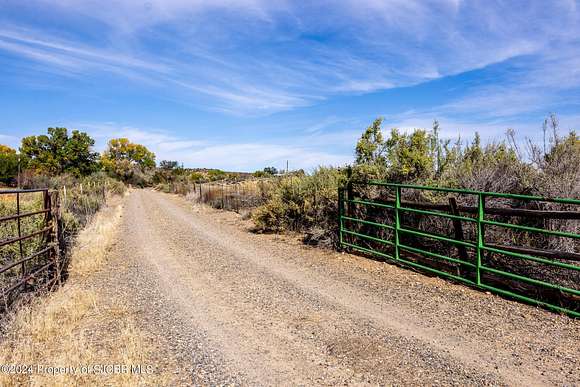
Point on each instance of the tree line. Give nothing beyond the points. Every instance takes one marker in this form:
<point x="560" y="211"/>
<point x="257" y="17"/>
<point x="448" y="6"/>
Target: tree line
<point x="60" y="152"/>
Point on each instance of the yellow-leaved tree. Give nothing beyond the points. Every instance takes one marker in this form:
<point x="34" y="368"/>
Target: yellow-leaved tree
<point x="128" y="161"/>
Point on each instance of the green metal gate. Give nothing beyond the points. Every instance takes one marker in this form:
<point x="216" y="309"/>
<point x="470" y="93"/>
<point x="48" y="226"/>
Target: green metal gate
<point x="375" y="218"/>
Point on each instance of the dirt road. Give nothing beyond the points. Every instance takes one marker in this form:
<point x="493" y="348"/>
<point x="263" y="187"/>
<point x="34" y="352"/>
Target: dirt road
<point x="241" y="308"/>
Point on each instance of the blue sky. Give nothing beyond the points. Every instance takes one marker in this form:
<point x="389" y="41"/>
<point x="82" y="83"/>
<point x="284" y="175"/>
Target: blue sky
<point x="242" y="84"/>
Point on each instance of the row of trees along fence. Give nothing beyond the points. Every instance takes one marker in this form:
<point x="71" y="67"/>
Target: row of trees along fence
<point x="30" y="243"/>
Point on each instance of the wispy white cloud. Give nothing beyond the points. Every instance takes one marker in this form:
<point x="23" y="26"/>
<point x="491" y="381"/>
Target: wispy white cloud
<point x="253" y="156"/>
<point x="37" y="55"/>
<point x="258" y="56"/>
<point x="30" y="39"/>
<point x="300" y="151"/>
<point x="536" y="86"/>
<point x="254" y="57"/>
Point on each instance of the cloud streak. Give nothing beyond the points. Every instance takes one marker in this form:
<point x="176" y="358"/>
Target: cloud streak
<point x="282" y="79"/>
<point x="239" y="156"/>
<point x="259" y="57"/>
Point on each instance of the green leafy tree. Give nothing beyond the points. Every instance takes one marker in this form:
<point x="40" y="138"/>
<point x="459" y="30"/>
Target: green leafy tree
<point x="9" y="160"/>
<point x="57" y="152"/>
<point x="370" y="147"/>
<point x="409" y="156"/>
<point x="126" y="160"/>
<point x="401" y="157"/>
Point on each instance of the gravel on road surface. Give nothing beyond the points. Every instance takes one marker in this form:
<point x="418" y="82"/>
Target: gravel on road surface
<point x="234" y="307"/>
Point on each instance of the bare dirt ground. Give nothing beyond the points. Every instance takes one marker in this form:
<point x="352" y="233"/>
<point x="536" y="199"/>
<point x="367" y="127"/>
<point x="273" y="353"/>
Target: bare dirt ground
<point x="232" y="307"/>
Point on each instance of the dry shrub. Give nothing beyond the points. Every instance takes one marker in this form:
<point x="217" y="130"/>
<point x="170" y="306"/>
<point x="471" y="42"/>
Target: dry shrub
<point x="306" y="203"/>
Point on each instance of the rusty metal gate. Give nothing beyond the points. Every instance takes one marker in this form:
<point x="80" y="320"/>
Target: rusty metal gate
<point x="30" y="258"/>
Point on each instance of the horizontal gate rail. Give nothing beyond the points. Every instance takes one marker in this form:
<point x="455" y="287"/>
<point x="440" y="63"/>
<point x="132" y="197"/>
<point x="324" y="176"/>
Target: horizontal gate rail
<point x="532" y="229"/>
<point x="530" y="258"/>
<point x="25" y="237"/>
<point x="20" y="216"/>
<point x="364" y="236"/>
<point x="437" y="237"/>
<point x="368" y="203"/>
<point x="32" y="256"/>
<point x="355" y="228"/>
<point x="435" y="255"/>
<point x="382" y="225"/>
<point x="27" y="278"/>
<point x="544" y="253"/>
<point x="435" y="213"/>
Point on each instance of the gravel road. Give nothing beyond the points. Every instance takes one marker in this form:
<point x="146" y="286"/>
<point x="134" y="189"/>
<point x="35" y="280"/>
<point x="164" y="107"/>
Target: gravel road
<point x="233" y="307"/>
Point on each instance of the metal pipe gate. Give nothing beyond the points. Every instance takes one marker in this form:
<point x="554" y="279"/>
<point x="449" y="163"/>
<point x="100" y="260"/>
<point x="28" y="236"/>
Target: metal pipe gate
<point x="386" y="235"/>
<point x="35" y="262"/>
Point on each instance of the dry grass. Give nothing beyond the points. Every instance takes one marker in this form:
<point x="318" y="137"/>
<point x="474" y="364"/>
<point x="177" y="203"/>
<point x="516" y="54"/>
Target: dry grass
<point x="75" y="326"/>
<point x="93" y="242"/>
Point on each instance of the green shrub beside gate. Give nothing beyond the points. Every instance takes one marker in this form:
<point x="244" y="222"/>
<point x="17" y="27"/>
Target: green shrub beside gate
<point x="503" y="243"/>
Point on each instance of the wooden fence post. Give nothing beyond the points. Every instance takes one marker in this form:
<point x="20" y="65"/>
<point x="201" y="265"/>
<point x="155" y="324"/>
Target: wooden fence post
<point x="349" y="191"/>
<point x="458" y="229"/>
<point x="458" y="232"/>
<point x="64" y="196"/>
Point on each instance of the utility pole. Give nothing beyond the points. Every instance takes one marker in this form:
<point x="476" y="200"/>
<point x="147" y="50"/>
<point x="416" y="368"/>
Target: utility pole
<point x="286" y="166"/>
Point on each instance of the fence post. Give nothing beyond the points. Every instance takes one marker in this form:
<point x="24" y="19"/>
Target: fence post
<point x="340" y="213"/>
<point x="64" y="196"/>
<point x="480" y="217"/>
<point x="349" y="191"/>
<point x="21" y="249"/>
<point x="458" y="229"/>
<point x="55" y="220"/>
<point x="397" y="220"/>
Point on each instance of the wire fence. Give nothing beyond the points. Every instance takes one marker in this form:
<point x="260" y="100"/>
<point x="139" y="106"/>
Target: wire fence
<point x="231" y="196"/>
